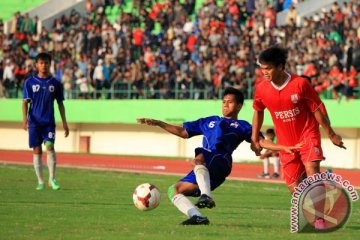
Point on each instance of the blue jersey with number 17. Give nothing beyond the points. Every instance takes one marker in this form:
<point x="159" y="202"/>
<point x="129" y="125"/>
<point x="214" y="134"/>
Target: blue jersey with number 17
<point x="220" y="134"/>
<point x="42" y="92"/>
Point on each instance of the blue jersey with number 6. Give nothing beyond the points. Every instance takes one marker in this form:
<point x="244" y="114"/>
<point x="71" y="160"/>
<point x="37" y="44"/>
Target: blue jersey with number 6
<point x="220" y="134"/>
<point x="42" y="92"/>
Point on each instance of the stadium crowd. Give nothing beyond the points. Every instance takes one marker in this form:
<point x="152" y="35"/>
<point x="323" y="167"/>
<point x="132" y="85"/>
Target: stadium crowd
<point x="159" y="46"/>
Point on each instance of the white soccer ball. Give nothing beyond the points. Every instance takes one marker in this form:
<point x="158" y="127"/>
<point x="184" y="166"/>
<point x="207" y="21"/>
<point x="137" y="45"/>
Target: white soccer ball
<point x="146" y="197"/>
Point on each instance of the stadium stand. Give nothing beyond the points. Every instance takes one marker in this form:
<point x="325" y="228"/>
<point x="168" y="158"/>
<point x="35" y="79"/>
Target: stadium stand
<point x="183" y="49"/>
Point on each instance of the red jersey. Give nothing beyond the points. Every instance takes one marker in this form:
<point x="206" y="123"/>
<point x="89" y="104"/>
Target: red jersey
<point x="291" y="107"/>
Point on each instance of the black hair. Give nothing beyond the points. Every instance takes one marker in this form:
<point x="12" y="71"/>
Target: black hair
<point x="270" y="131"/>
<point x="43" y="56"/>
<point x="239" y="97"/>
<point x="274" y="55"/>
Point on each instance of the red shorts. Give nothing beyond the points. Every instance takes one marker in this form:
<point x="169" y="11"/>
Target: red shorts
<point x="292" y="165"/>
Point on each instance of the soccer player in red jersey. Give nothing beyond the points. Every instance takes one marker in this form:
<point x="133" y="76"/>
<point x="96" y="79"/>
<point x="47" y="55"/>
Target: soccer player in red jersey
<point x="296" y="111"/>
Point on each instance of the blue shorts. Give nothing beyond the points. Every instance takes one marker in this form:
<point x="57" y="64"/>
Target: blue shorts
<point x="219" y="166"/>
<point x="40" y="134"/>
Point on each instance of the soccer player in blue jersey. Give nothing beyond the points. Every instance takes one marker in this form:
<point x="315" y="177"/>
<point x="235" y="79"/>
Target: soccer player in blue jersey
<point x="213" y="161"/>
<point x="40" y="91"/>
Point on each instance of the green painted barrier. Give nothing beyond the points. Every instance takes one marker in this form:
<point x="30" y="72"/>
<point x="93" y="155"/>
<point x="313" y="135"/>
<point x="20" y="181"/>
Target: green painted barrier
<point x="343" y="114"/>
<point x="9" y="7"/>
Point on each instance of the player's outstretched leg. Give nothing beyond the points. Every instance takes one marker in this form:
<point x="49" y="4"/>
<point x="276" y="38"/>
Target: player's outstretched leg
<point x="185" y="206"/>
<point x="203" y="181"/>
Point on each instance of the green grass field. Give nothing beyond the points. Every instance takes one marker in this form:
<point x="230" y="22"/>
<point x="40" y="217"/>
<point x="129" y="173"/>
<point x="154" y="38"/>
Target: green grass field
<point x="98" y="205"/>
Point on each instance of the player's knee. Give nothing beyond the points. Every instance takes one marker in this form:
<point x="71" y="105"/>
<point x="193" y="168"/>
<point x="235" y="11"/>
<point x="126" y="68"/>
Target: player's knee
<point x="174" y="190"/>
<point x="199" y="160"/>
<point x="49" y="146"/>
<point x="37" y="150"/>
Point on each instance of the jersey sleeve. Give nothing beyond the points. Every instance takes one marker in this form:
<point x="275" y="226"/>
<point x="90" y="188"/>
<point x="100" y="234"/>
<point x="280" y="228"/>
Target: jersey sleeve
<point x="247" y="131"/>
<point x="247" y="128"/>
<point x="310" y="96"/>
<point x="194" y="128"/>
<point x="27" y="93"/>
<point x="59" y="94"/>
<point x="258" y="105"/>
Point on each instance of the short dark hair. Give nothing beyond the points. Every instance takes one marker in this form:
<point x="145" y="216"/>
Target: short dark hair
<point x="270" y="131"/>
<point x="43" y="56"/>
<point x="239" y="97"/>
<point x="274" y="55"/>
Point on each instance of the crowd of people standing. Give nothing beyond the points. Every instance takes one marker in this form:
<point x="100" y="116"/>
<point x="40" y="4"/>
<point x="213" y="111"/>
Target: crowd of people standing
<point x="170" y="49"/>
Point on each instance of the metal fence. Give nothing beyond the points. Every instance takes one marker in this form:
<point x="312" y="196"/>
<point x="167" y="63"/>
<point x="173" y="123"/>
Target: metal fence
<point x="128" y="90"/>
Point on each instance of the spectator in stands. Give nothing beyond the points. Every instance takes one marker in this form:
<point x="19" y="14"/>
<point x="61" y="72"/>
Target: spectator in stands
<point x="66" y="80"/>
<point x="291" y="16"/>
<point x="270" y="17"/>
<point x="1" y="25"/>
<point x="337" y="79"/>
<point x="82" y="86"/>
<point x="9" y="77"/>
<point x="89" y="7"/>
<point x="98" y="77"/>
<point x="2" y="90"/>
<point x="27" y="25"/>
<point x="16" y="23"/>
<point x="351" y="82"/>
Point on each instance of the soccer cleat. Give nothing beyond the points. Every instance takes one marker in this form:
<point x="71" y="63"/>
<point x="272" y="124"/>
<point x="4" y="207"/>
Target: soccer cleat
<point x="196" y="220"/>
<point x="205" y="201"/>
<point x="54" y="185"/>
<point x="319" y="224"/>
<point x="264" y="175"/>
<point x="275" y="175"/>
<point x="40" y="186"/>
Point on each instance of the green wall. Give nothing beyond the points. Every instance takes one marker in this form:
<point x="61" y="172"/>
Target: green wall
<point x="343" y="114"/>
<point x="9" y="7"/>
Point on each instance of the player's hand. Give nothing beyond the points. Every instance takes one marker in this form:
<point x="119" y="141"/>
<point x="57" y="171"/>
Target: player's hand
<point x="148" y="121"/>
<point x="255" y="147"/>
<point x="66" y="129"/>
<point x="337" y="140"/>
<point x="291" y="149"/>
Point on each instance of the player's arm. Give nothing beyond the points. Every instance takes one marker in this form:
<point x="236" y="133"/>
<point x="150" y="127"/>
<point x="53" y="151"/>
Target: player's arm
<point x="63" y="118"/>
<point x="324" y="111"/>
<point x="325" y="124"/>
<point x="266" y="154"/>
<point x="277" y="147"/>
<point x="25" y="113"/>
<point x="318" y="109"/>
<point x="257" y="122"/>
<point x="176" y="130"/>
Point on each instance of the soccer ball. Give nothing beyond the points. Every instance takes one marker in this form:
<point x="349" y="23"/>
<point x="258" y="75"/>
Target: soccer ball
<point x="146" y="197"/>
